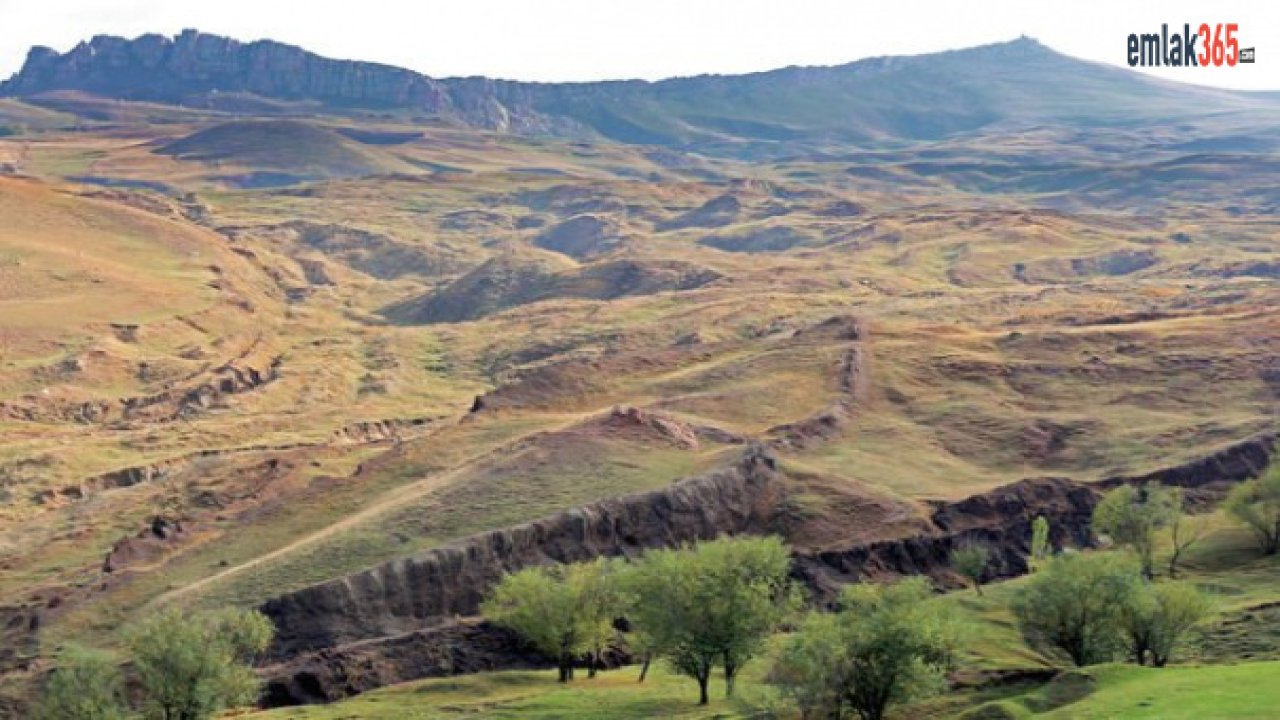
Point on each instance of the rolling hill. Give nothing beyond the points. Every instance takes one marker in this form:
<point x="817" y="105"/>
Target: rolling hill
<point x="282" y="151"/>
<point x="313" y="336"/>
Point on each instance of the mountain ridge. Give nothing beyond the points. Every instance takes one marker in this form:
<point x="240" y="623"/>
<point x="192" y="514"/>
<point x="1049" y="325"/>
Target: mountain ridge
<point x="911" y="98"/>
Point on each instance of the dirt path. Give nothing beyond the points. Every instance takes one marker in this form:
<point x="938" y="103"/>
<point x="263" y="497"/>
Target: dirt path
<point x="391" y="500"/>
<point x="852" y="380"/>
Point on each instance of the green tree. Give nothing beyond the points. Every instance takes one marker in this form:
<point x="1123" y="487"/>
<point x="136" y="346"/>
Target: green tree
<point x="644" y="646"/>
<point x="1074" y="605"/>
<point x="84" y="685"/>
<point x="1132" y="517"/>
<point x="595" y="587"/>
<point x="1184" y="532"/>
<point x="971" y="562"/>
<point x="1040" y="547"/>
<point x="711" y="605"/>
<point x="807" y="667"/>
<point x="190" y="667"/>
<point x="541" y="605"/>
<point x="1256" y="503"/>
<point x="886" y="644"/>
<point x="1157" y="618"/>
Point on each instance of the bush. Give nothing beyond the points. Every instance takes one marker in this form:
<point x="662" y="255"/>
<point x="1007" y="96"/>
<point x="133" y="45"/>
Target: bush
<point x="1256" y="504"/>
<point x="1158" y="617"/>
<point x="190" y="667"/>
<point x="85" y="685"/>
<point x="887" y="644"/>
<point x="1131" y="517"/>
<point x="971" y="562"/>
<point x="1074" y="606"/>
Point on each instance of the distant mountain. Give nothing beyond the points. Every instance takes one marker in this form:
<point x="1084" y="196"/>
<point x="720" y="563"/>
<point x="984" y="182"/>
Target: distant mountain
<point x="922" y="97"/>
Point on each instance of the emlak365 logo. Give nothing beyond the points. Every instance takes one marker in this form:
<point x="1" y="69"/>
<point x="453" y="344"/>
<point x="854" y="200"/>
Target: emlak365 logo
<point x="1207" y="47"/>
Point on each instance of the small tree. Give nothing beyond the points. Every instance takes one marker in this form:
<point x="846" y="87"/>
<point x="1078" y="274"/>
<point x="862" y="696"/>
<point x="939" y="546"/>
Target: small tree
<point x="711" y="605"/>
<point x="887" y="644"/>
<point x="540" y="605"/>
<point x="1256" y="503"/>
<point x="1040" y="547"/>
<point x="1073" y="606"/>
<point x="1184" y="532"/>
<point x="971" y="562"/>
<point x="1131" y="517"/>
<point x="190" y="667"/>
<point x="85" y="685"/>
<point x="643" y="645"/>
<point x="595" y="589"/>
<point x="807" y="667"/>
<point x="1157" y="618"/>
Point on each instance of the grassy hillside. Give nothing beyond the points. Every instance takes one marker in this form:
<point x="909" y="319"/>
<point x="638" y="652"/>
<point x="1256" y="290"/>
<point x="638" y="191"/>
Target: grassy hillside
<point x="296" y="150"/>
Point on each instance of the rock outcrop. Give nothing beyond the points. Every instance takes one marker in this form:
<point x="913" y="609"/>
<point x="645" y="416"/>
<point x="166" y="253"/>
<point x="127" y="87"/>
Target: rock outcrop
<point x="155" y="67"/>
<point x="424" y="589"/>
<point x="454" y="648"/>
<point x="150" y="544"/>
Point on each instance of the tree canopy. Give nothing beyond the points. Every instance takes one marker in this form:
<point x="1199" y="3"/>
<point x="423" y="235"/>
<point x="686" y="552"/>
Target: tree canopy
<point x="1132" y="516"/>
<point x="190" y="667"/>
<point x="1074" y="606"/>
<point x="1256" y="503"/>
<point x="711" y="605"/>
<point x="886" y="644"/>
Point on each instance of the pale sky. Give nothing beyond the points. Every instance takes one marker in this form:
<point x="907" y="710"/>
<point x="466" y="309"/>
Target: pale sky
<point x="557" y="40"/>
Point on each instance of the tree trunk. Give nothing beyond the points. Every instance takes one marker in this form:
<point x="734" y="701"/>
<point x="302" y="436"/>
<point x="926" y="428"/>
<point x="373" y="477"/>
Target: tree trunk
<point x="703" y="678"/>
<point x="566" y="667"/>
<point x="977" y="587"/>
<point x="592" y="664"/>
<point x="644" y="668"/>
<point x="730" y="675"/>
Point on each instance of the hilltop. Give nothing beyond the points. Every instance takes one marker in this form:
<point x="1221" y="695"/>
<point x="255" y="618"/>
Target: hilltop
<point x="1020" y="83"/>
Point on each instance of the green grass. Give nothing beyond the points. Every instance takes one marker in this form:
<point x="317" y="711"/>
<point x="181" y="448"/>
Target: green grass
<point x="1247" y="690"/>
<point x="613" y="695"/>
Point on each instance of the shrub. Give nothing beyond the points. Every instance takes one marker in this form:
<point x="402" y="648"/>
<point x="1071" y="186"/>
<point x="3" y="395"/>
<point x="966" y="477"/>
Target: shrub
<point x="190" y="667"/>
<point x="1256" y="503"/>
<point x="1074" y="605"/>
<point x="1158" y="617"/>
<point x="85" y="685"/>
<point x="887" y="644"/>
<point x="1131" y="517"/>
<point x="971" y="562"/>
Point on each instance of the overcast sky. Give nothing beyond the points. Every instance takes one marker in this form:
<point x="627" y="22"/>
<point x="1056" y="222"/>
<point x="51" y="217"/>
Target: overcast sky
<point x="594" y="39"/>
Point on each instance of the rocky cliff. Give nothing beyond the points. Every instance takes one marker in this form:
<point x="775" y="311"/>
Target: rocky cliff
<point x="431" y="587"/>
<point x="1020" y="82"/>
<point x="208" y="70"/>
<point x="154" y="67"/>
